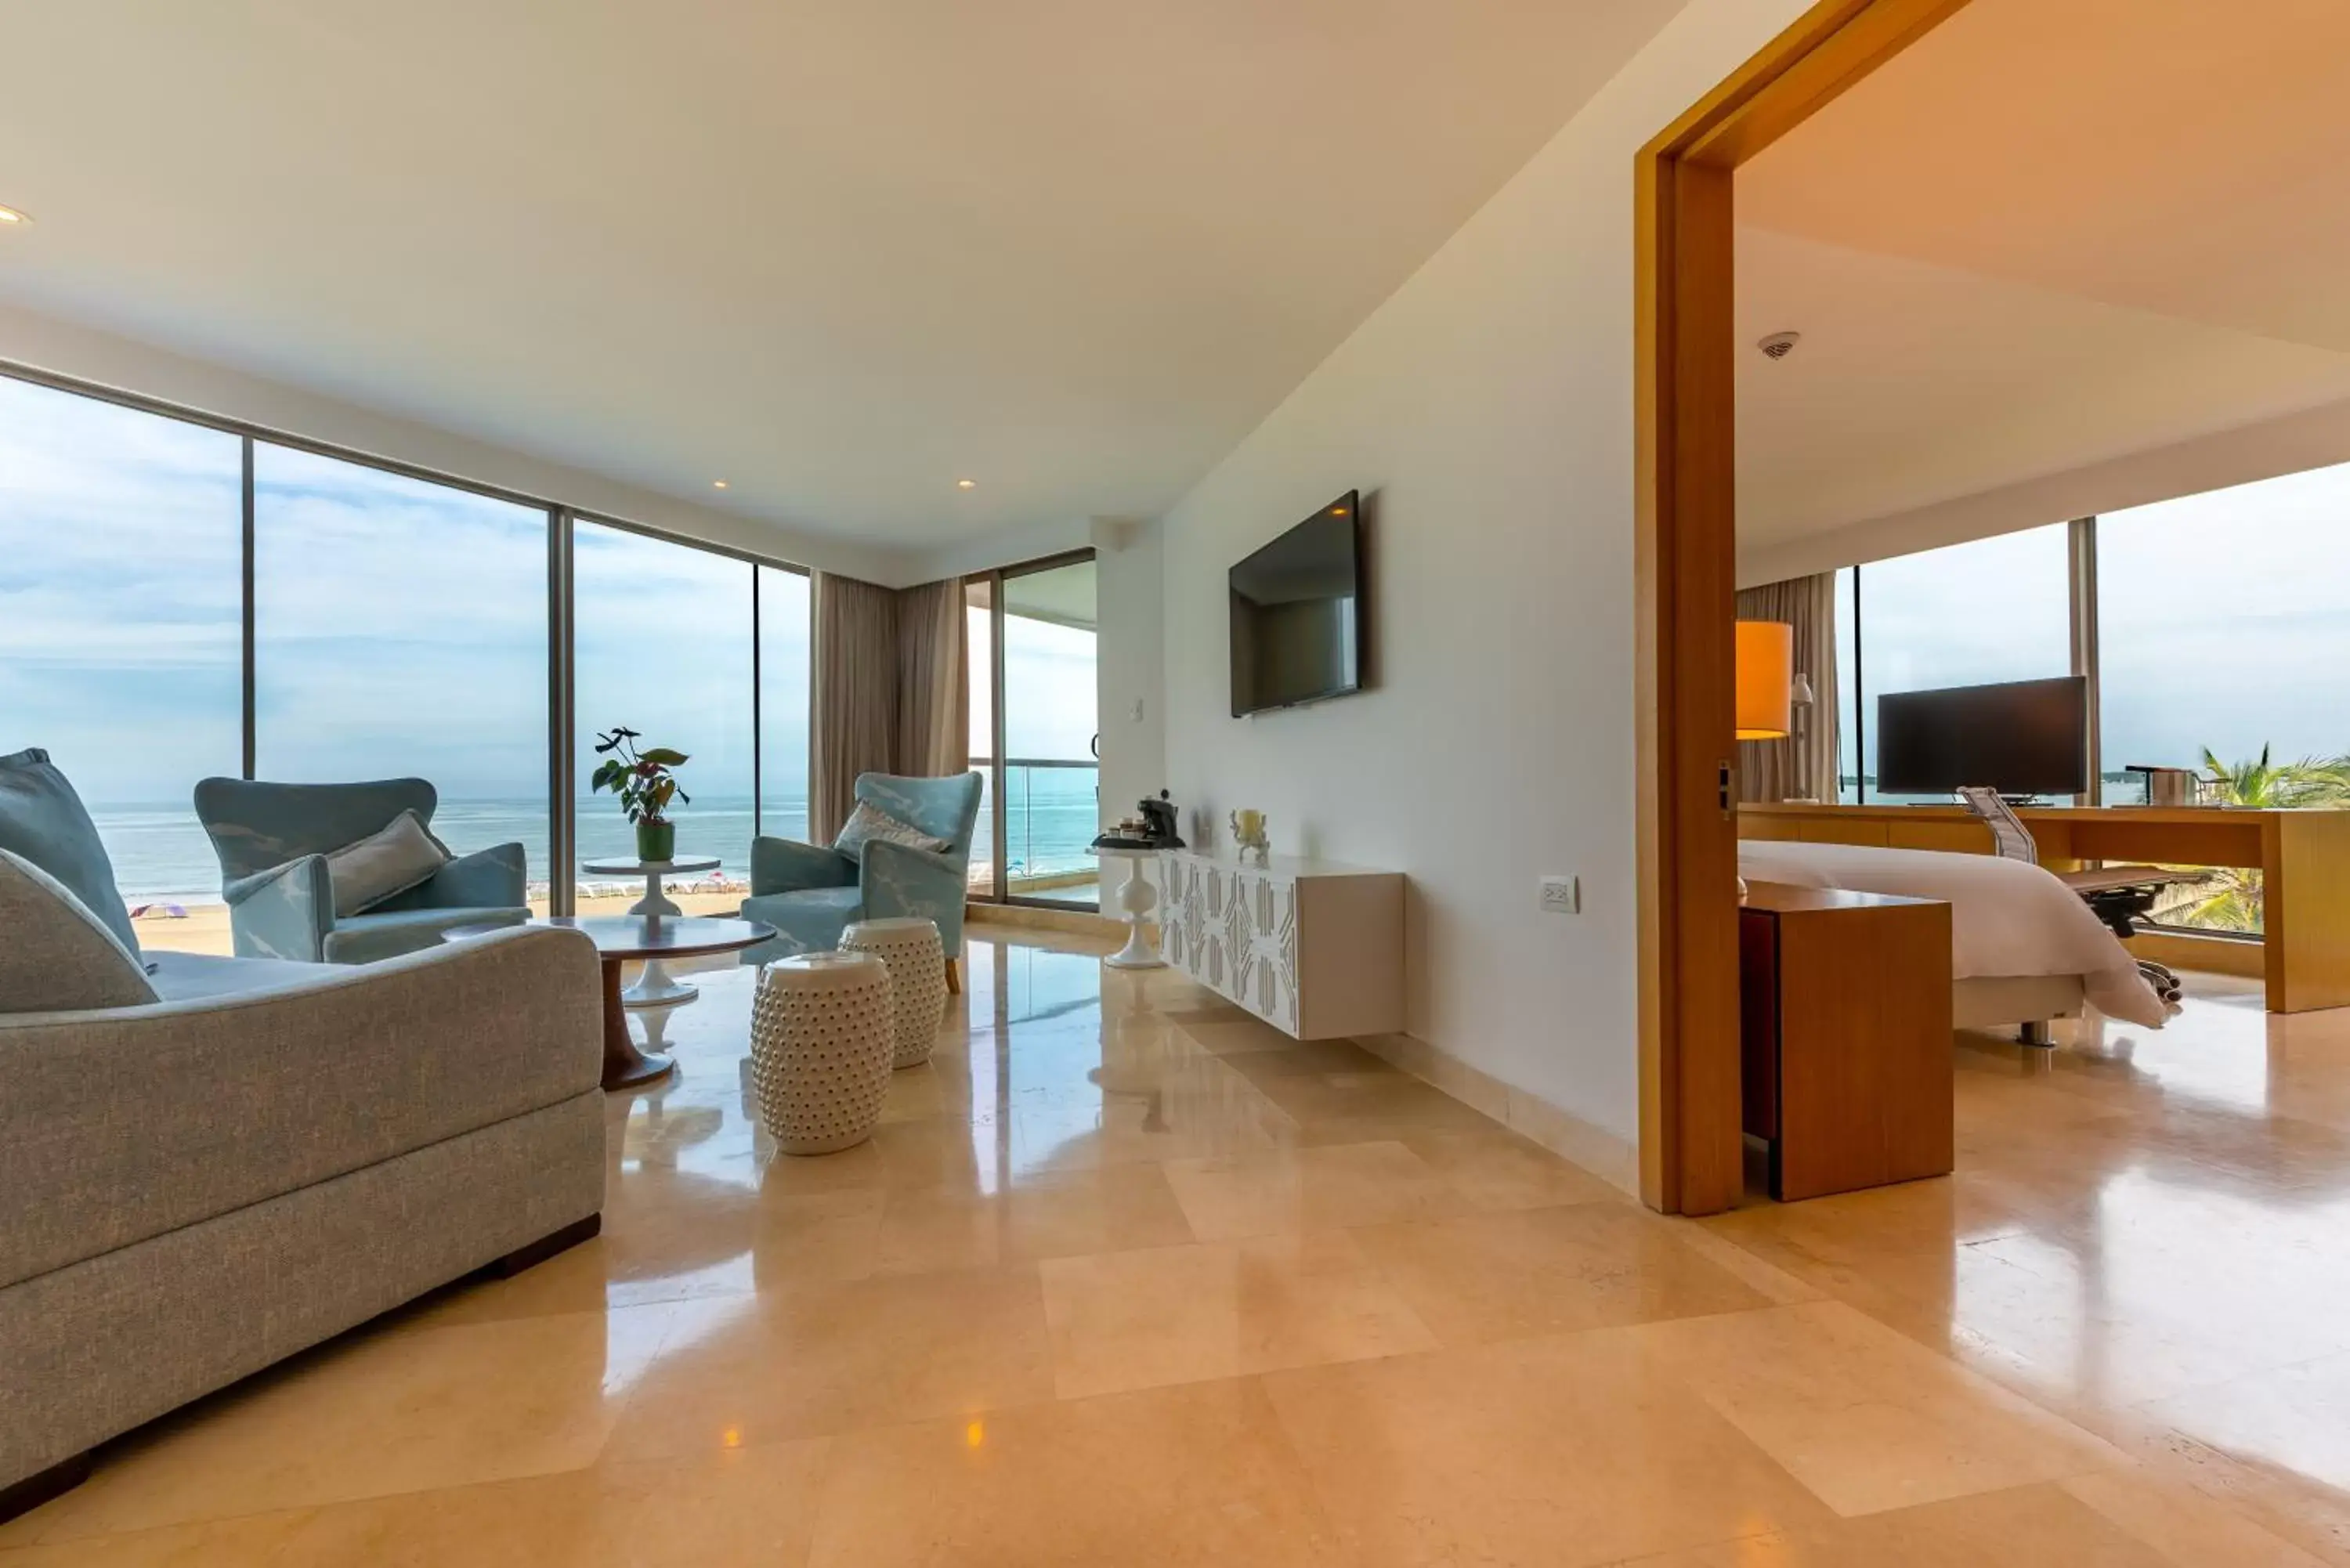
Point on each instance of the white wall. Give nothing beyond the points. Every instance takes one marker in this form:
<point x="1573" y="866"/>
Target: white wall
<point x="1485" y="410"/>
<point x="123" y="365"/>
<point x="1128" y="669"/>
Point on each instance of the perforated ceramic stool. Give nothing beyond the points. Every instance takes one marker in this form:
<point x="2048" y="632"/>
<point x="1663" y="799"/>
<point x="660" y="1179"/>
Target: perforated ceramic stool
<point x="908" y="945"/>
<point x="820" y="1041"/>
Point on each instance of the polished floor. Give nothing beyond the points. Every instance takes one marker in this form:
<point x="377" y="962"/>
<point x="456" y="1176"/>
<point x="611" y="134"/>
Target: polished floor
<point x="1127" y="1278"/>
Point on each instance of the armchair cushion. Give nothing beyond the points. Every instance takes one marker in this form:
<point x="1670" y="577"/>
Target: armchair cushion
<point x="42" y="821"/>
<point x="868" y="823"/>
<point x="57" y="956"/>
<point x="807" y="921"/>
<point x="390" y="861"/>
<point x="387" y="933"/>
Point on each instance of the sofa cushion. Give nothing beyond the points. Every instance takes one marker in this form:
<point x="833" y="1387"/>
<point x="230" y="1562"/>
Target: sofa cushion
<point x="42" y="819"/>
<point x="58" y="957"/>
<point x="808" y="921"/>
<point x="400" y="854"/>
<point x="191" y="977"/>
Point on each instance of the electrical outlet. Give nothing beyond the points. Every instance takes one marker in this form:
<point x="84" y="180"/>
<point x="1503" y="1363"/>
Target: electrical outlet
<point x="1562" y="895"/>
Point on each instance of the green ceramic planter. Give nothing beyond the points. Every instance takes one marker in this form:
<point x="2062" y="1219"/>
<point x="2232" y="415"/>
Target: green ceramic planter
<point x="656" y="841"/>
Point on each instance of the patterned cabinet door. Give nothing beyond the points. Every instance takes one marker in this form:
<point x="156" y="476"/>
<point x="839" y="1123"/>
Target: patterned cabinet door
<point x="1235" y="931"/>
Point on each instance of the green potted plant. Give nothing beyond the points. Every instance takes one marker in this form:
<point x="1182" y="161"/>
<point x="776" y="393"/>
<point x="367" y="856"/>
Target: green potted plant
<point x="646" y="783"/>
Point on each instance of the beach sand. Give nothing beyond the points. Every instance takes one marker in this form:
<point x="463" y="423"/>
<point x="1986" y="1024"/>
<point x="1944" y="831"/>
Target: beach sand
<point x="204" y="927"/>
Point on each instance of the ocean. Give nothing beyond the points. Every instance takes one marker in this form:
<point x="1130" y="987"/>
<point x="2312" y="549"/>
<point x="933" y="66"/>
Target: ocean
<point x="161" y="856"/>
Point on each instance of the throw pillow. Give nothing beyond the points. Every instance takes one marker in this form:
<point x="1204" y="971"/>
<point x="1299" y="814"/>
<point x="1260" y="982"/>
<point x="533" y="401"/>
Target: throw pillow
<point x="870" y="822"/>
<point x="58" y="958"/>
<point x="386" y="862"/>
<point x="42" y="820"/>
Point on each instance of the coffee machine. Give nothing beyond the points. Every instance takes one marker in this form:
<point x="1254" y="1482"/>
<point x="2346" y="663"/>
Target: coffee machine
<point x="1153" y="828"/>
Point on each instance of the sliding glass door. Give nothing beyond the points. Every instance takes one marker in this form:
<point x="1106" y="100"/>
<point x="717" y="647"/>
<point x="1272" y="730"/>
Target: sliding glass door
<point x="1034" y="732"/>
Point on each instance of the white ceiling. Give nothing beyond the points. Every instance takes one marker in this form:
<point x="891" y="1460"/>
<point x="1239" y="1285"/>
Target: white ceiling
<point x="2052" y="233"/>
<point x="840" y="254"/>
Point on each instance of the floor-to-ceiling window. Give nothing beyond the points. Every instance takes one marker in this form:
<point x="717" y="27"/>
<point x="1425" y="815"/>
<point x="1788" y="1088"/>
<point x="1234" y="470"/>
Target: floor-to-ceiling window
<point x="400" y="628"/>
<point x="1987" y="611"/>
<point x="782" y="702"/>
<point x="661" y="640"/>
<point x="978" y="625"/>
<point x="1034" y="732"/>
<point x="1052" y="742"/>
<point x="121" y="610"/>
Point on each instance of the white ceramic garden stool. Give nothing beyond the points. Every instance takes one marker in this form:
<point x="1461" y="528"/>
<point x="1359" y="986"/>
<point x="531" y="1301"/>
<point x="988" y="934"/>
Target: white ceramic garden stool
<point x="910" y="948"/>
<point x="821" y="1032"/>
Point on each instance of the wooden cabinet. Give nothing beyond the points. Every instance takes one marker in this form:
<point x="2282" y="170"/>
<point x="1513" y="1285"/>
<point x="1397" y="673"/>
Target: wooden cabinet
<point x="1845" y="1036"/>
<point x="1314" y="949"/>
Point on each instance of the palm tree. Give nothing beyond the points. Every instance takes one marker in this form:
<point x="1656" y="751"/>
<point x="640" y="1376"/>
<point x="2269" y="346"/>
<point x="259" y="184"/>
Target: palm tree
<point x="2235" y="900"/>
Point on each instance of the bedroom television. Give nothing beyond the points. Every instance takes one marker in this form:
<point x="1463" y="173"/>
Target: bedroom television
<point x="2021" y="738"/>
<point x="1296" y="613"/>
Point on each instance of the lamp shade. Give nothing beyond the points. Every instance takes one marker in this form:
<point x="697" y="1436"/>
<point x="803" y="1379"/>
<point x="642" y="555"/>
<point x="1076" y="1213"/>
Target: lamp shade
<point x="1766" y="674"/>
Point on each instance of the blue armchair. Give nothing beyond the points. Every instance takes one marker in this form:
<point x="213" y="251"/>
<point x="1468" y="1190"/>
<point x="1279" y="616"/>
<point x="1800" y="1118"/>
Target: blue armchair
<point x="811" y="895"/>
<point x="273" y="840"/>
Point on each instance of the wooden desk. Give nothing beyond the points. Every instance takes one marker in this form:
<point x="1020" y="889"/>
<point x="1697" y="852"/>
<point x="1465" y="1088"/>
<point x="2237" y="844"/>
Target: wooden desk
<point x="2303" y="859"/>
<point x="1845" y="1036"/>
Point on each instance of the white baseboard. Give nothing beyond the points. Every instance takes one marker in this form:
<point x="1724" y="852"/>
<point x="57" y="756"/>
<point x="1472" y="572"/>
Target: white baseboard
<point x="1614" y="1160"/>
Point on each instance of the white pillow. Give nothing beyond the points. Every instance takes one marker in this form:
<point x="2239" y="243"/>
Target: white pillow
<point x="386" y="863"/>
<point x="870" y="822"/>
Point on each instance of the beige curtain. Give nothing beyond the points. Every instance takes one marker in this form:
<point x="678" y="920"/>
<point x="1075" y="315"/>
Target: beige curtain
<point x="853" y="697"/>
<point x="890" y="689"/>
<point x="933" y="681"/>
<point x="1804" y="766"/>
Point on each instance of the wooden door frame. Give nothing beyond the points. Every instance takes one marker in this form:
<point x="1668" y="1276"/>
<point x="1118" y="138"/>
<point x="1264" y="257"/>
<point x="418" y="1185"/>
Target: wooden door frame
<point x="1691" y="1157"/>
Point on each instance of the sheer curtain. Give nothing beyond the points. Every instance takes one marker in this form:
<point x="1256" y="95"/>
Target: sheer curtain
<point x="887" y="689"/>
<point x="1804" y="766"/>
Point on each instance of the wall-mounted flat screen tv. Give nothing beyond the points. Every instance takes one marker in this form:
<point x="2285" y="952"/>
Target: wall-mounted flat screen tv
<point x="2019" y="737"/>
<point x="1297" y="614"/>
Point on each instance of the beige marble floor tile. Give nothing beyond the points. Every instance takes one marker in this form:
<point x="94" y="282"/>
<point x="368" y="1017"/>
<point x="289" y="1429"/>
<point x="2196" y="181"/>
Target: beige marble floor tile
<point x="1114" y="1209"/>
<point x="380" y="1413"/>
<point x="1179" y="1314"/>
<point x="2184" y="1525"/>
<point x="1322" y="1188"/>
<point x="1519" y="1273"/>
<point x="2024" y="1527"/>
<point x="934" y="1231"/>
<point x="1197" y="1477"/>
<point x="1564" y="1451"/>
<point x="833" y="1357"/>
<point x="753" y="1505"/>
<point x="2294" y="1419"/>
<point x="1868" y="1419"/>
<point x="1497" y="1169"/>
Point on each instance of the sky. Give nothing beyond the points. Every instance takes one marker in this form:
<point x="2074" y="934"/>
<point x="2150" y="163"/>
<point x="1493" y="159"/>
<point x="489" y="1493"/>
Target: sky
<point x="2223" y="621"/>
<point x="400" y="626"/>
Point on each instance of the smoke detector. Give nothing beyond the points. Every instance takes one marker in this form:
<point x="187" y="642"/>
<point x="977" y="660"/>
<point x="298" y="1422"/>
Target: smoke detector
<point x="1779" y="345"/>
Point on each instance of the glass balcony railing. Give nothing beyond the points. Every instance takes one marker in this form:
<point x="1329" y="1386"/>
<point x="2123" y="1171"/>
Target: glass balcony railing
<point x="1052" y="809"/>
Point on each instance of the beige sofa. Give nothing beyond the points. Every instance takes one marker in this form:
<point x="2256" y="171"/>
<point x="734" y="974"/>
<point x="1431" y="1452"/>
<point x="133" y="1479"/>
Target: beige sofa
<point x="262" y="1156"/>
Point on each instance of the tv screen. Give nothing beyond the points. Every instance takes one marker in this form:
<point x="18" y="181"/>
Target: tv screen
<point x="2019" y="737"/>
<point x="1296" y="613"/>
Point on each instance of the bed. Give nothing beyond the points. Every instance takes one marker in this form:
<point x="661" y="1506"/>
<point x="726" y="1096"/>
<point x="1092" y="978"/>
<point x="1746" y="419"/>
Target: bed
<point x="2024" y="948"/>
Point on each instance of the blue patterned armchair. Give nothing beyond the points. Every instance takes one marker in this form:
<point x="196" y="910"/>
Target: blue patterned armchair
<point x="273" y="840"/>
<point x="811" y="895"/>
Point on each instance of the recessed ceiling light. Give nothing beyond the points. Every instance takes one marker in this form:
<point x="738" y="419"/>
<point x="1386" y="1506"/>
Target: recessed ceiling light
<point x="717" y="484"/>
<point x="966" y="484"/>
<point x="13" y="218"/>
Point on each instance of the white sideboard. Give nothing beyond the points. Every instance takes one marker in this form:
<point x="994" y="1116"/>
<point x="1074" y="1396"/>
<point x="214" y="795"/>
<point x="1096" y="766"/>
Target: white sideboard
<point x="1314" y="949"/>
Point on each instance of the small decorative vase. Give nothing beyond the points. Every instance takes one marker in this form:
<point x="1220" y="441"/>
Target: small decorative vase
<point x="1249" y="835"/>
<point x="656" y="841"/>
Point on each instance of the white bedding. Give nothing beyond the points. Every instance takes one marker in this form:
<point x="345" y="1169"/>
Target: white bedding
<point x="2007" y="918"/>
